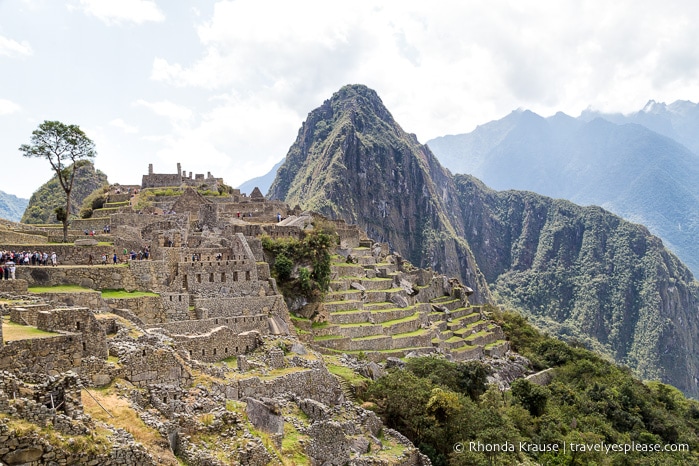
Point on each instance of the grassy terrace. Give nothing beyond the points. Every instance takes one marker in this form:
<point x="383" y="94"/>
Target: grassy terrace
<point x="59" y="289"/>
<point x="123" y="294"/>
<point x="12" y="331"/>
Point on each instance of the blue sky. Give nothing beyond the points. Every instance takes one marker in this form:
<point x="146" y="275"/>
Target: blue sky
<point x="223" y="86"/>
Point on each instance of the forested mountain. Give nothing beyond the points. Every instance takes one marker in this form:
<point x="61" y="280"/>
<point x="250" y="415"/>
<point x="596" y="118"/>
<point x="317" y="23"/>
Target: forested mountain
<point x="11" y="206"/>
<point x="629" y="165"/>
<point x="583" y="272"/>
<point x="44" y="201"/>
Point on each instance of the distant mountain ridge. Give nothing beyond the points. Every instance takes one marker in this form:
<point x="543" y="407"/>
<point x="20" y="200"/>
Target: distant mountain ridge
<point x="618" y="162"/>
<point x="263" y="182"/>
<point x="582" y="272"/>
<point x="11" y="206"/>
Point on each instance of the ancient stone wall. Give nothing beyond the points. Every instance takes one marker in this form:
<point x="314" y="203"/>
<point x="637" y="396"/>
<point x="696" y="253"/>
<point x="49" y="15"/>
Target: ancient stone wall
<point x="148" y="308"/>
<point x="175" y="305"/>
<point x="13" y="286"/>
<point x="51" y="355"/>
<point x="13" y="237"/>
<point x="317" y="384"/>
<point x="220" y="343"/>
<point x="88" y="299"/>
<point x="238" y="324"/>
<point x="107" y="277"/>
<point x="77" y="320"/>
<point x="67" y="254"/>
<point x="150" y="365"/>
<point x="141" y="221"/>
<point x="230" y="307"/>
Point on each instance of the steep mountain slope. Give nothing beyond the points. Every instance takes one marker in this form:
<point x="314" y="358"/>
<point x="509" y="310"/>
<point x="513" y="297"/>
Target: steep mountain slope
<point x="263" y="182"/>
<point x="11" y="206"/>
<point x="351" y="160"/>
<point x="50" y="195"/>
<point x="583" y="272"/>
<point x="628" y="169"/>
<point x="589" y="275"/>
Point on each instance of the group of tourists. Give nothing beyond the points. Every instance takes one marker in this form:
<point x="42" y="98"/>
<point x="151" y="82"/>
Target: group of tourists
<point x="9" y="260"/>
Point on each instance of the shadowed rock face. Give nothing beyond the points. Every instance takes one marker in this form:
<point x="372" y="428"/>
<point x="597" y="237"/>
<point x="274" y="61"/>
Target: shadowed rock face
<point x="351" y="160"/>
<point x="581" y="272"/>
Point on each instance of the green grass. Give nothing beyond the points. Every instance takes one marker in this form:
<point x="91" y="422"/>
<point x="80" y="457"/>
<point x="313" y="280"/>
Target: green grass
<point x="123" y="294"/>
<point x="409" y="318"/>
<point x="347" y="374"/>
<point x="59" y="289"/>
<point x="327" y="337"/>
<point x="12" y="331"/>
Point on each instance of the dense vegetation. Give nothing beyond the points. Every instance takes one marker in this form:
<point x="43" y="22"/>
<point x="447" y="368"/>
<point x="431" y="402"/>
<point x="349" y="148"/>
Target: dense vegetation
<point x="439" y="404"/>
<point x="302" y="267"/>
<point x="50" y="196"/>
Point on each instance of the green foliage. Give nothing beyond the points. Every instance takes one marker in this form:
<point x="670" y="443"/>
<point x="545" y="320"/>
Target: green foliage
<point x="310" y="257"/>
<point x="95" y="200"/>
<point x="283" y="266"/>
<point x="42" y="204"/>
<point x="589" y="400"/>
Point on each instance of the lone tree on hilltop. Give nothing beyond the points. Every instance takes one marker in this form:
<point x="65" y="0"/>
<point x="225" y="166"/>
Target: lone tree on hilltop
<point x="64" y="146"/>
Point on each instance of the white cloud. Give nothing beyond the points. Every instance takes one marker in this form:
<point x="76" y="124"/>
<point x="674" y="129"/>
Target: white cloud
<point x="8" y="107"/>
<point x="173" y="111"/>
<point x="121" y="124"/>
<point x="123" y="11"/>
<point x="12" y="48"/>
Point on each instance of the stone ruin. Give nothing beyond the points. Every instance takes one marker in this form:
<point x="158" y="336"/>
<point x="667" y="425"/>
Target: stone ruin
<point x="213" y="330"/>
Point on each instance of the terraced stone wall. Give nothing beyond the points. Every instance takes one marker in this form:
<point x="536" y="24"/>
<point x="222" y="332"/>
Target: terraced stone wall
<point x="237" y="324"/>
<point x="77" y="320"/>
<point x="220" y="343"/>
<point x="51" y="355"/>
<point x="149" y="309"/>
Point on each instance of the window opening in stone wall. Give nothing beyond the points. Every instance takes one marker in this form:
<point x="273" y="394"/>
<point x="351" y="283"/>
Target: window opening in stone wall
<point x="84" y="346"/>
<point x="203" y="352"/>
<point x="247" y="275"/>
<point x="180" y="298"/>
<point x="77" y="325"/>
<point x="223" y="277"/>
<point x="144" y="352"/>
<point x="214" y="351"/>
<point x="225" y="350"/>
<point x="171" y="299"/>
<point x="235" y="276"/>
<point x="211" y="277"/>
<point x="198" y="278"/>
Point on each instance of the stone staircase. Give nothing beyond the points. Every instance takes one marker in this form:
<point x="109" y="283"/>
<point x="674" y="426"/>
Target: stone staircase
<point x="370" y="310"/>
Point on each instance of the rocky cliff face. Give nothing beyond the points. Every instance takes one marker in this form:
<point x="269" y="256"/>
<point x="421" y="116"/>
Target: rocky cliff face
<point x="582" y="273"/>
<point x="351" y="160"/>
<point x="588" y="275"/>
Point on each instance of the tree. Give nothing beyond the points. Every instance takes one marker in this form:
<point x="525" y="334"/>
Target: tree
<point x="64" y="146"/>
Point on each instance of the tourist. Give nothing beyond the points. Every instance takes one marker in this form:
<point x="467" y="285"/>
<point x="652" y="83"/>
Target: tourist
<point x="89" y="259"/>
<point x="104" y="259"/>
<point x="12" y="270"/>
<point x="54" y="259"/>
<point x="115" y="258"/>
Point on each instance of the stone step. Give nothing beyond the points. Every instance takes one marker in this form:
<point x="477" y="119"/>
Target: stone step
<point x="467" y="352"/>
<point x="481" y="338"/>
<point x="361" y="252"/>
<point x="405" y="325"/>
<point x="391" y="314"/>
<point x="360" y="331"/>
<point x="497" y="349"/>
<point x="452" y="343"/>
<point x="337" y="342"/>
<point x="343" y="295"/>
<point x="418" y="338"/>
<point x="366" y="260"/>
<point x="379" y="306"/>
<point x="376" y="284"/>
<point x="451" y="304"/>
<point x="349" y="317"/>
<point x="371" y="343"/>
<point x="383" y="296"/>
<point x="338" y="270"/>
<point x="464" y="322"/>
